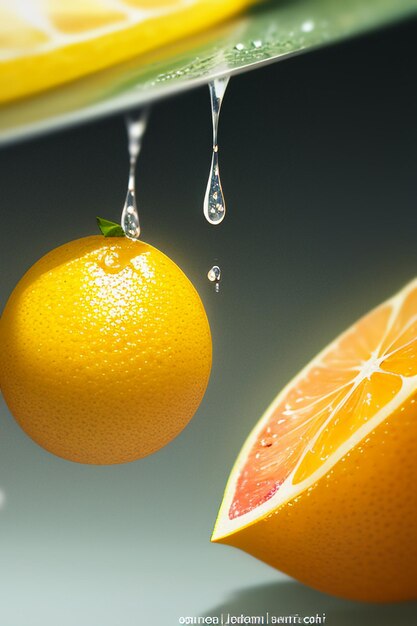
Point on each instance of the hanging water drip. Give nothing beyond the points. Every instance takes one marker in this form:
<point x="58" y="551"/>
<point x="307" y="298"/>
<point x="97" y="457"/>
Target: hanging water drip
<point x="136" y="126"/>
<point x="214" y="205"/>
<point x="214" y="275"/>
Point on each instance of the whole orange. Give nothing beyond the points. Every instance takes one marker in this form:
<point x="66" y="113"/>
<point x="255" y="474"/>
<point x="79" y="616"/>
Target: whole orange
<point x="106" y="350"/>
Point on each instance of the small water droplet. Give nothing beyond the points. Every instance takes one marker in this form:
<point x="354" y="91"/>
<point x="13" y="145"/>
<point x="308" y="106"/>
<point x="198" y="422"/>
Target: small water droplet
<point x="214" y="275"/>
<point x="266" y="443"/>
<point x="307" y="26"/>
<point x="214" y="206"/>
<point x="257" y="43"/>
<point x="136" y="126"/>
<point x="239" y="47"/>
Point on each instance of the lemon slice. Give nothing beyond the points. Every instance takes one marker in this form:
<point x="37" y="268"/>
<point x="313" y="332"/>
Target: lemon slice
<point x="44" y="43"/>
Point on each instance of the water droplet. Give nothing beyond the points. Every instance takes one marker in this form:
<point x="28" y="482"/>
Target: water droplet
<point x="307" y="26"/>
<point x="239" y="47"/>
<point x="136" y="126"/>
<point x="130" y="216"/>
<point x="257" y="43"/>
<point x="214" y="275"/>
<point x="214" y="206"/>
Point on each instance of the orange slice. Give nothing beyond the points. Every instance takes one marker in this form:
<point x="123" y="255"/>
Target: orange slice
<point x="44" y="43"/>
<point x="324" y="488"/>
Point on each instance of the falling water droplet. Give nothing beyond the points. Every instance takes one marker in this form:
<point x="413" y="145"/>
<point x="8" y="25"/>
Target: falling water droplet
<point x="214" y="275"/>
<point x="136" y="126"/>
<point x="214" y="205"/>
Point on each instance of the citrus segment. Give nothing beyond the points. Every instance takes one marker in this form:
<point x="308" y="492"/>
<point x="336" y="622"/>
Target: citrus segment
<point x="78" y="16"/>
<point x="50" y="42"/>
<point x="17" y="33"/>
<point x="341" y="390"/>
<point x="365" y="378"/>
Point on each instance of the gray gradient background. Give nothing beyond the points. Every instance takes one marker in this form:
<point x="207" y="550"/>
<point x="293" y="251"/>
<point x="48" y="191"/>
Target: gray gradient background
<point x="319" y="157"/>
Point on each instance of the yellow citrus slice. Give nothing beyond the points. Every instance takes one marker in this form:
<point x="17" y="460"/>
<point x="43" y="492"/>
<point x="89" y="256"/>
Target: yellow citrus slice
<point x="106" y="350"/>
<point x="324" y="488"/>
<point x="44" y="43"/>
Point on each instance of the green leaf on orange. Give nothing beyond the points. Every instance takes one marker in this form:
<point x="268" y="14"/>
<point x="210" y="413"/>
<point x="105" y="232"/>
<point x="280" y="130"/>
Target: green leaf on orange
<point x="109" y="229"/>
